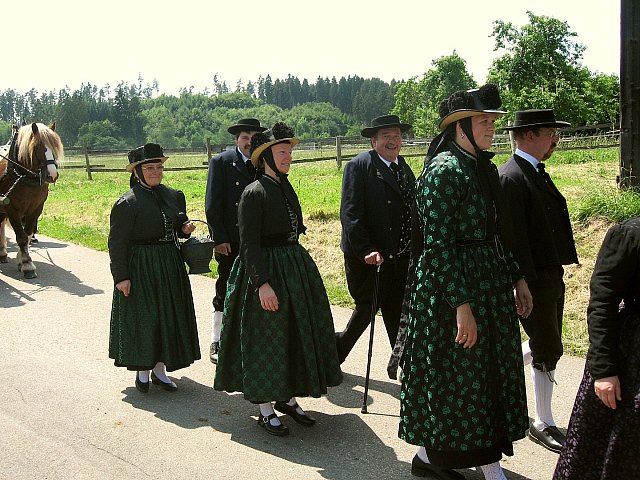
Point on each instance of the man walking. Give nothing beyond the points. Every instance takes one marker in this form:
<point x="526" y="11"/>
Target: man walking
<point x="229" y="174"/>
<point x="375" y="212"/>
<point x="544" y="244"/>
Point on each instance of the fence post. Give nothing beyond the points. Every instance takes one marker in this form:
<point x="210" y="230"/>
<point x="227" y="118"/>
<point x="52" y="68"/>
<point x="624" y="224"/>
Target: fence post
<point x="86" y="159"/>
<point x="339" y="152"/>
<point x="208" y="148"/>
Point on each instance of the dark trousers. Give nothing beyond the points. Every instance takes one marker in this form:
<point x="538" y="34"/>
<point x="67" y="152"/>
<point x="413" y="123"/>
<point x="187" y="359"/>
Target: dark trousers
<point x="225" y="262"/>
<point x="544" y="325"/>
<point x="361" y="282"/>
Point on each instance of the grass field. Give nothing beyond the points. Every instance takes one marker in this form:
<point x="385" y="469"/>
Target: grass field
<point x="78" y="211"/>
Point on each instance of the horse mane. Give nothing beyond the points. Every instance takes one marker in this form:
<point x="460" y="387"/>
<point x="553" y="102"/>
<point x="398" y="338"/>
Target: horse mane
<point x="26" y="144"/>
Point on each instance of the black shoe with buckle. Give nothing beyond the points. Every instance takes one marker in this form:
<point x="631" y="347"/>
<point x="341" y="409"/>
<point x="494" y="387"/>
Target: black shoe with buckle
<point x="549" y="437"/>
<point x="278" y="431"/>
<point x="169" y="387"/>
<point x="302" y="419"/>
<point x="142" y="387"/>
<point x="422" y="469"/>
<point x="213" y="352"/>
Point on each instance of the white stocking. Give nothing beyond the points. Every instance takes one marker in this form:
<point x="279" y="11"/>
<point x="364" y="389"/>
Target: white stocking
<point x="216" y="326"/>
<point x="493" y="471"/>
<point x="542" y="393"/>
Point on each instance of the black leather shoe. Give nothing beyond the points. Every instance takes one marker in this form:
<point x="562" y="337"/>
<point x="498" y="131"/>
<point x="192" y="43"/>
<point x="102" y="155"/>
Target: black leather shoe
<point x="303" y="419"/>
<point x="278" y="431"/>
<point x="142" y="387"/>
<point x="169" y="387"/>
<point x="550" y="438"/>
<point x="422" y="469"/>
<point x="213" y="352"/>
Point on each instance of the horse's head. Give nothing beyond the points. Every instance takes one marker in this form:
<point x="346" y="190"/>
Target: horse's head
<point x="40" y="149"/>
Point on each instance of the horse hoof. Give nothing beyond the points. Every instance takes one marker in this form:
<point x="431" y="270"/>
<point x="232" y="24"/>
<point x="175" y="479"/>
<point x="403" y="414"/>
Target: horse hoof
<point x="29" y="274"/>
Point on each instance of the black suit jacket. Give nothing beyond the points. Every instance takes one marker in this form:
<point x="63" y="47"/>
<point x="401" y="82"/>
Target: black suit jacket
<point x="371" y="206"/>
<point x="228" y="177"/>
<point x="539" y="218"/>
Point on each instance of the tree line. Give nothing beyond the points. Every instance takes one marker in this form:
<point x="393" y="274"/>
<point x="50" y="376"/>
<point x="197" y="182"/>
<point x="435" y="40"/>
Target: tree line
<point x="540" y="67"/>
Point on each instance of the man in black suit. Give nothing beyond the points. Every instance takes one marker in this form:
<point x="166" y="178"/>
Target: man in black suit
<point x="229" y="174"/>
<point x="375" y="211"/>
<point x="544" y="244"/>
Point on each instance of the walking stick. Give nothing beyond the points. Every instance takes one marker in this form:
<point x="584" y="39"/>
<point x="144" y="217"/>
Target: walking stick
<point x="374" y="309"/>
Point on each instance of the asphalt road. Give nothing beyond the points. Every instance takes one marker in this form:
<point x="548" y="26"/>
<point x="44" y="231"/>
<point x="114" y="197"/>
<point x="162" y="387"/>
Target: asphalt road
<point x="67" y="412"/>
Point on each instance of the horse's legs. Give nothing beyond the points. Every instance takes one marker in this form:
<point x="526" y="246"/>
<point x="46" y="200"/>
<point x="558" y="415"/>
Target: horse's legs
<point x="3" y="240"/>
<point x="22" y="239"/>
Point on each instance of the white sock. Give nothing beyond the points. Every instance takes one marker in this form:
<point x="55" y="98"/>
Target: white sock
<point x="161" y="372"/>
<point x="526" y="353"/>
<point x="292" y="401"/>
<point x="266" y="409"/>
<point x="143" y="376"/>
<point x="216" y="326"/>
<point x="422" y="455"/>
<point x="493" y="471"/>
<point x="542" y="393"/>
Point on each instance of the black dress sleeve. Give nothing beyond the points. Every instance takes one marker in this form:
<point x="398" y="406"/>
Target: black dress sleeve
<point x="122" y="222"/>
<point x="615" y="268"/>
<point x="251" y="215"/>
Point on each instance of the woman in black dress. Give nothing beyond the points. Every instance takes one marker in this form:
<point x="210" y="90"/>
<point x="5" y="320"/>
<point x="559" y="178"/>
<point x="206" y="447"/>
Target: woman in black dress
<point x="153" y="322"/>
<point x="603" y="440"/>
<point x="277" y="340"/>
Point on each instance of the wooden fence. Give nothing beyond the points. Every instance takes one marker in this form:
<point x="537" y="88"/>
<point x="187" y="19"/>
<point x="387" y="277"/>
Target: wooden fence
<point x="335" y="148"/>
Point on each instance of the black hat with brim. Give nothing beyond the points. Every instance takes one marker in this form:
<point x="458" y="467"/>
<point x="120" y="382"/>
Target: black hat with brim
<point x="246" y="125"/>
<point x="470" y="103"/>
<point x="385" y="121"/>
<point x="150" y="152"/>
<point x="536" y="118"/>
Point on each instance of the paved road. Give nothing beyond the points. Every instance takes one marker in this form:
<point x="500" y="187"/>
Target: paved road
<point x="67" y="412"/>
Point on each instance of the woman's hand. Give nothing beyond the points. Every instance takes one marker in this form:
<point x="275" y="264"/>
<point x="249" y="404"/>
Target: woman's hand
<point x="608" y="390"/>
<point x="268" y="298"/>
<point x="524" y="300"/>
<point x="188" y="227"/>
<point x="467" y="329"/>
<point x="124" y="286"/>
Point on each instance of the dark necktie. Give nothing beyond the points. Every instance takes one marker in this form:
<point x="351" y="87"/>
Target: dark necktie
<point x="546" y="176"/>
<point x="405" y="191"/>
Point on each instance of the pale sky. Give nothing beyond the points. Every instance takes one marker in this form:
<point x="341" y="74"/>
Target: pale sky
<point x="52" y="44"/>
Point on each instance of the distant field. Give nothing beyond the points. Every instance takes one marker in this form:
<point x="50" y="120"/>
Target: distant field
<point x="78" y="211"/>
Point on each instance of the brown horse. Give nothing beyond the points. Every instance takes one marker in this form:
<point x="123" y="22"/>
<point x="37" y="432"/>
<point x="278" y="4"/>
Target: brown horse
<point x="27" y="165"/>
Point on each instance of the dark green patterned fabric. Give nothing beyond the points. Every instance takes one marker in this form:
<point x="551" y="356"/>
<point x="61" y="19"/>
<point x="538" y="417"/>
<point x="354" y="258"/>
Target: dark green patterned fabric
<point x="278" y="355"/>
<point x="465" y="406"/>
<point x="157" y="321"/>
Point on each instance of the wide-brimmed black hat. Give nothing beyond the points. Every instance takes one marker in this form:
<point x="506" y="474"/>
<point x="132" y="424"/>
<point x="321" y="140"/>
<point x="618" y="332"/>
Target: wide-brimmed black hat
<point x="470" y="103"/>
<point x="145" y="153"/>
<point x="246" y="125"/>
<point x="385" y="121"/>
<point x="536" y="118"/>
<point x="279" y="133"/>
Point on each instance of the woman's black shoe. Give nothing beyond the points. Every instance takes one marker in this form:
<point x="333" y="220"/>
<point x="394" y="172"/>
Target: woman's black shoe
<point x="169" y="387"/>
<point x="287" y="409"/>
<point x="422" y="469"/>
<point x="278" y="431"/>
<point x="141" y="386"/>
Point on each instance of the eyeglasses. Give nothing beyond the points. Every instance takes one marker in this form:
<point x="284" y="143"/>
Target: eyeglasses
<point x="552" y="134"/>
<point x="153" y="168"/>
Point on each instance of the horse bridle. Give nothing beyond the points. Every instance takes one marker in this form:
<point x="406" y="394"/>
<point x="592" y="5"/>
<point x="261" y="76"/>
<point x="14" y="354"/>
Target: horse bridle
<point x="12" y="158"/>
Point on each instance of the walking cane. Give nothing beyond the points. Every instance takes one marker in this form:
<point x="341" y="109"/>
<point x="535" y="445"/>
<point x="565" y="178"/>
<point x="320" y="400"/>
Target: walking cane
<point x="374" y="309"/>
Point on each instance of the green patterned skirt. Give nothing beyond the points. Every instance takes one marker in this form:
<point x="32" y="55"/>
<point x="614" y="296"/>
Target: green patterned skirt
<point x="465" y="406"/>
<point x="157" y="321"/>
<point x="278" y="355"/>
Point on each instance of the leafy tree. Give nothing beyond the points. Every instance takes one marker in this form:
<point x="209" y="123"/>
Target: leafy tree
<point x="542" y="69"/>
<point x="101" y="135"/>
<point x="417" y="102"/>
<point x="313" y="120"/>
<point x="374" y="98"/>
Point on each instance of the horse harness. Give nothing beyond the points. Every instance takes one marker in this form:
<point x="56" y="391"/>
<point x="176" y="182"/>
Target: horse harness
<point x="29" y="177"/>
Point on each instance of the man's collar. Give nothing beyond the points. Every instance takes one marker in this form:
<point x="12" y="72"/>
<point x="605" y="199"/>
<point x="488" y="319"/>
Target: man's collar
<point x="528" y="157"/>
<point x="244" y="159"/>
